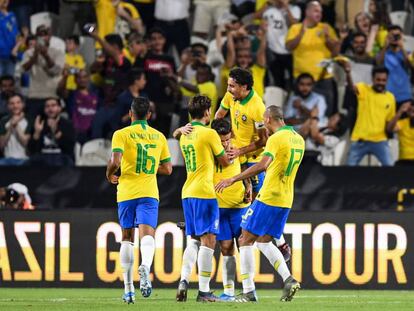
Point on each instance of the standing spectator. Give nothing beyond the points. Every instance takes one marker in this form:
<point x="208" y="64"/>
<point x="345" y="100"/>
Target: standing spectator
<point x="137" y="47"/>
<point x="405" y="129"/>
<point x="375" y="111"/>
<point x="280" y="15"/>
<point x="8" y="34"/>
<point x="74" y="61"/>
<point x="303" y="101"/>
<point x="146" y="9"/>
<point x="53" y="139"/>
<point x="395" y="59"/>
<point x="7" y="88"/>
<point x="361" y="62"/>
<point x="44" y="65"/>
<point x="242" y="57"/>
<point x="81" y="104"/>
<point x="378" y="9"/>
<point x="14" y="133"/>
<point x="157" y="65"/>
<point x="311" y="43"/>
<point x="114" y="70"/>
<point x="171" y="16"/>
<point x="207" y="14"/>
<point x="136" y="83"/>
<point x="191" y="59"/>
<point x="72" y="12"/>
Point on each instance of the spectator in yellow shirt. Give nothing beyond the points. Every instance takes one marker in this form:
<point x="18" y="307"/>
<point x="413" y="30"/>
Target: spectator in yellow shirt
<point x="74" y="61"/>
<point x="405" y="129"/>
<point x="311" y="43"/>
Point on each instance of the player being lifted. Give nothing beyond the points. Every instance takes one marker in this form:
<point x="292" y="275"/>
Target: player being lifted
<point x="141" y="152"/>
<point x="246" y="114"/>
<point x="232" y="203"/>
<point x="266" y="217"/>
<point x="200" y="149"/>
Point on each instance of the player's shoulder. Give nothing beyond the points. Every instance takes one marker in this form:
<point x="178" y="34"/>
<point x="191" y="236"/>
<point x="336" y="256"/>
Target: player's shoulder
<point x="152" y="130"/>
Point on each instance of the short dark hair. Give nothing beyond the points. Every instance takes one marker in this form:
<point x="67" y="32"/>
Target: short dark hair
<point x="394" y="27"/>
<point x="156" y="30"/>
<point x="140" y="107"/>
<point x="198" y="105"/>
<point x="304" y="75"/>
<point x="135" y="74"/>
<point x="56" y="99"/>
<point x="221" y="126"/>
<point x="242" y="77"/>
<point x="16" y="95"/>
<point x="379" y="69"/>
<point x="359" y="34"/>
<point x="7" y="78"/>
<point x="200" y="45"/>
<point x="135" y="37"/>
<point x="209" y="69"/>
<point x="74" y="38"/>
<point x="115" y="39"/>
<point x="275" y="112"/>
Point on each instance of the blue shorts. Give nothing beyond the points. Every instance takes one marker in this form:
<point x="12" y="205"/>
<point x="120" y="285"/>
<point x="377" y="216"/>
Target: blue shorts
<point x="230" y="220"/>
<point x="257" y="181"/>
<point x="261" y="219"/>
<point x="135" y="212"/>
<point x="201" y="216"/>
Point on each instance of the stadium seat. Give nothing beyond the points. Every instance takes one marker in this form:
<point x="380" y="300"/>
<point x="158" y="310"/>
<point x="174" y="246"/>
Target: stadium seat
<point x="408" y="43"/>
<point x="44" y="18"/>
<point x="176" y="156"/>
<point x="78" y="148"/>
<point x="95" y="153"/>
<point x="58" y="43"/>
<point x="399" y="18"/>
<point x="274" y="96"/>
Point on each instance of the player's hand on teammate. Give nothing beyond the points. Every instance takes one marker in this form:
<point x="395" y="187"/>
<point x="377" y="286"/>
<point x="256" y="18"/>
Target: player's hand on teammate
<point x="248" y="194"/>
<point x="223" y="184"/>
<point x="113" y="179"/>
<point x="233" y="153"/>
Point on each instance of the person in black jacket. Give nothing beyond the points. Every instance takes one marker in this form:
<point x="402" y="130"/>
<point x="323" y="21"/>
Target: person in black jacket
<point x="53" y="139"/>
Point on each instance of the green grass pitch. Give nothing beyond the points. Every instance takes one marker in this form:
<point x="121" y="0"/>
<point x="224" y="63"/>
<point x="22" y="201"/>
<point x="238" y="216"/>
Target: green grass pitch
<point x="164" y="300"/>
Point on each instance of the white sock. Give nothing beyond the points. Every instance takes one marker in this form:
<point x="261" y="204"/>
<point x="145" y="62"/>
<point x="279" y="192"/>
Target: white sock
<point x="247" y="268"/>
<point x="205" y="265"/>
<point x="126" y="254"/>
<point x="189" y="259"/>
<point x="275" y="258"/>
<point x="229" y="274"/>
<point x="147" y="247"/>
<point x="280" y="241"/>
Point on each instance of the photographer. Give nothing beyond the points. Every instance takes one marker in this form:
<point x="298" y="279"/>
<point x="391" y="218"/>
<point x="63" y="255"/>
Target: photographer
<point x="53" y="139"/>
<point x="44" y="65"/>
<point x="190" y="59"/>
<point x="74" y="61"/>
<point x="395" y="59"/>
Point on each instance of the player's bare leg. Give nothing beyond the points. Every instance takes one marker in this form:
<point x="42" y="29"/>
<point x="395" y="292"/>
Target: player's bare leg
<point x="205" y="266"/>
<point x="229" y="269"/>
<point x="147" y="248"/>
<point x="276" y="259"/>
<point x="126" y="254"/>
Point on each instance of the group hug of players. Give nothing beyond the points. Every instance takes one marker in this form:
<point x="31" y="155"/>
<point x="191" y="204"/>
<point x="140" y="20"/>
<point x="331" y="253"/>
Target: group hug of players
<point x="239" y="187"/>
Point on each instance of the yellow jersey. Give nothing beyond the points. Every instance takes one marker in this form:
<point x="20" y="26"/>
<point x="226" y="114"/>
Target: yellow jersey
<point x="199" y="149"/>
<point x="406" y="139"/>
<point x="143" y="149"/>
<point x="233" y="196"/>
<point x="373" y="112"/>
<point x="311" y="50"/>
<point x="246" y="118"/>
<point x="73" y="61"/>
<point x="286" y="148"/>
<point x="258" y="73"/>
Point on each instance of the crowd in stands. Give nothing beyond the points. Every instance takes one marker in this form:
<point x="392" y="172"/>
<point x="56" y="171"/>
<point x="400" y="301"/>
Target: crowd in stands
<point x="344" y="69"/>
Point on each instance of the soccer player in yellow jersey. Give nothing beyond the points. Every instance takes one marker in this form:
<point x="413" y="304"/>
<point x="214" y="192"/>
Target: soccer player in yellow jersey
<point x="201" y="212"/>
<point x="266" y="217"/>
<point x="141" y="152"/>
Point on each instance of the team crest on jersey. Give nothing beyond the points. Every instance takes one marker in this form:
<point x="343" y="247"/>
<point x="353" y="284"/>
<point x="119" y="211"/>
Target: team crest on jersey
<point x="244" y="118"/>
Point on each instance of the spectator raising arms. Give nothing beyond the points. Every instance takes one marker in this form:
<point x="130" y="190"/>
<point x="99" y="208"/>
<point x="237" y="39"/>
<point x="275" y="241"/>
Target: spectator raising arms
<point x="14" y="133"/>
<point x="8" y="34"/>
<point x="311" y="43"/>
<point x="405" y="129"/>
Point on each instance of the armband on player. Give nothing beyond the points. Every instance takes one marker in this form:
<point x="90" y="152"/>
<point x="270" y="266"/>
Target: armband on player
<point x="258" y="125"/>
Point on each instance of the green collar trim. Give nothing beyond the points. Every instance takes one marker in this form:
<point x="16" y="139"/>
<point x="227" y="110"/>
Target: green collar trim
<point x="286" y="127"/>
<point x="143" y="123"/>
<point x="246" y="100"/>
<point x="197" y="123"/>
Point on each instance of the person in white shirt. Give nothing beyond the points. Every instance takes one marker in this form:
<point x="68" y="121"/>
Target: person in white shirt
<point x="207" y="14"/>
<point x="280" y="15"/>
<point x="172" y="17"/>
